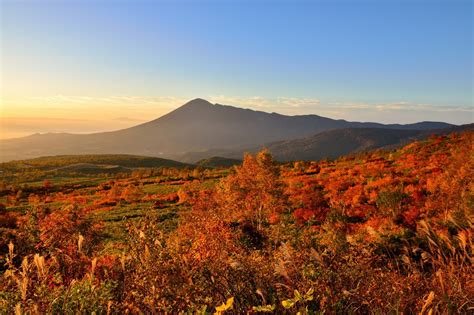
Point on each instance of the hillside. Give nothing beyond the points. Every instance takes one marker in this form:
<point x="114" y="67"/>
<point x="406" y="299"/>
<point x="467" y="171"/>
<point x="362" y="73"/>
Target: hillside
<point x="335" y="232"/>
<point x="101" y="159"/>
<point x="332" y="143"/>
<point x="217" y="161"/>
<point x="196" y="126"/>
<point x="335" y="143"/>
<point x="86" y="164"/>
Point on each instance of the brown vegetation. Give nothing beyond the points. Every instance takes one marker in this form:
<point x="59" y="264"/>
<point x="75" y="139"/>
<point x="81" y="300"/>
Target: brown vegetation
<point x="383" y="232"/>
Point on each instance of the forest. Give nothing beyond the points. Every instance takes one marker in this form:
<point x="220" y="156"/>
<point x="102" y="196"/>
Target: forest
<point x="380" y="232"/>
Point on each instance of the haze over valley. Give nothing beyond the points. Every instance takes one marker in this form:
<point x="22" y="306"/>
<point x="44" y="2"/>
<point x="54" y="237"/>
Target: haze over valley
<point x="201" y="126"/>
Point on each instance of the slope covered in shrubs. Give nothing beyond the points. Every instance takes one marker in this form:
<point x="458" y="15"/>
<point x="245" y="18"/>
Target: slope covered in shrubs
<point x="382" y="232"/>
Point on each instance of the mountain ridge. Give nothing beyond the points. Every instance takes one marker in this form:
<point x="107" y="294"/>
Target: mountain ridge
<point x="330" y="144"/>
<point x="195" y="126"/>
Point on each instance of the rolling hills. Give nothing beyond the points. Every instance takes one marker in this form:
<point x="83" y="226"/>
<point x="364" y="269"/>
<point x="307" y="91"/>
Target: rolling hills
<point x="331" y="144"/>
<point x="89" y="164"/>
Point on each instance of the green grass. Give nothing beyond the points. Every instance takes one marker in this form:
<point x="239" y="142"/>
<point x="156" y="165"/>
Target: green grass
<point x="160" y="189"/>
<point x="114" y="220"/>
<point x="125" y="160"/>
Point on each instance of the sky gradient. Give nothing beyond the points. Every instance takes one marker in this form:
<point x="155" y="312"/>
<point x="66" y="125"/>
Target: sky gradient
<point x="84" y="66"/>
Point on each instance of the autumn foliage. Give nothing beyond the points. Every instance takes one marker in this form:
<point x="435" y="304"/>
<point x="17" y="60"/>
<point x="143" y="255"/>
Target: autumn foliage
<point x="380" y="232"/>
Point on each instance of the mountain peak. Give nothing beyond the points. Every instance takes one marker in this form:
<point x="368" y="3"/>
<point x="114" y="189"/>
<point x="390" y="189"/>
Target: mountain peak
<point x="197" y="102"/>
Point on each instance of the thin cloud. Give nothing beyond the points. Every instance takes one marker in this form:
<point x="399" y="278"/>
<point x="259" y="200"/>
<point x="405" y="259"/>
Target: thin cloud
<point x="259" y="102"/>
<point x="298" y="102"/>
<point x="119" y="111"/>
<point x="401" y="106"/>
<point x="255" y="102"/>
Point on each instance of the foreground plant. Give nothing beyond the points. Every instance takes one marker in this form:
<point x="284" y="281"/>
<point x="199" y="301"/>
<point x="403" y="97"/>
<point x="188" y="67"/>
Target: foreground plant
<point x="379" y="233"/>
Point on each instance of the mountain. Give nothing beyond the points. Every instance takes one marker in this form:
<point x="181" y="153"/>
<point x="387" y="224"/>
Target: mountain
<point x="332" y="143"/>
<point x="196" y="126"/>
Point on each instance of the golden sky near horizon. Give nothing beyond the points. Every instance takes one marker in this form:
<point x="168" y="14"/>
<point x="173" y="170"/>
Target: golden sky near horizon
<point x="27" y="115"/>
<point x="22" y="116"/>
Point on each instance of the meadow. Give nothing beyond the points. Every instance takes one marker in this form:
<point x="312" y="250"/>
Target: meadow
<point x="381" y="232"/>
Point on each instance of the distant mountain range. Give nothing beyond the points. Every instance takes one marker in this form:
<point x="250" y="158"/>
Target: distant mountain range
<point x="199" y="126"/>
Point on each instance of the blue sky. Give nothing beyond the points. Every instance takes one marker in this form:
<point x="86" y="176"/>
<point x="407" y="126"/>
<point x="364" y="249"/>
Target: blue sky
<point x="413" y="57"/>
